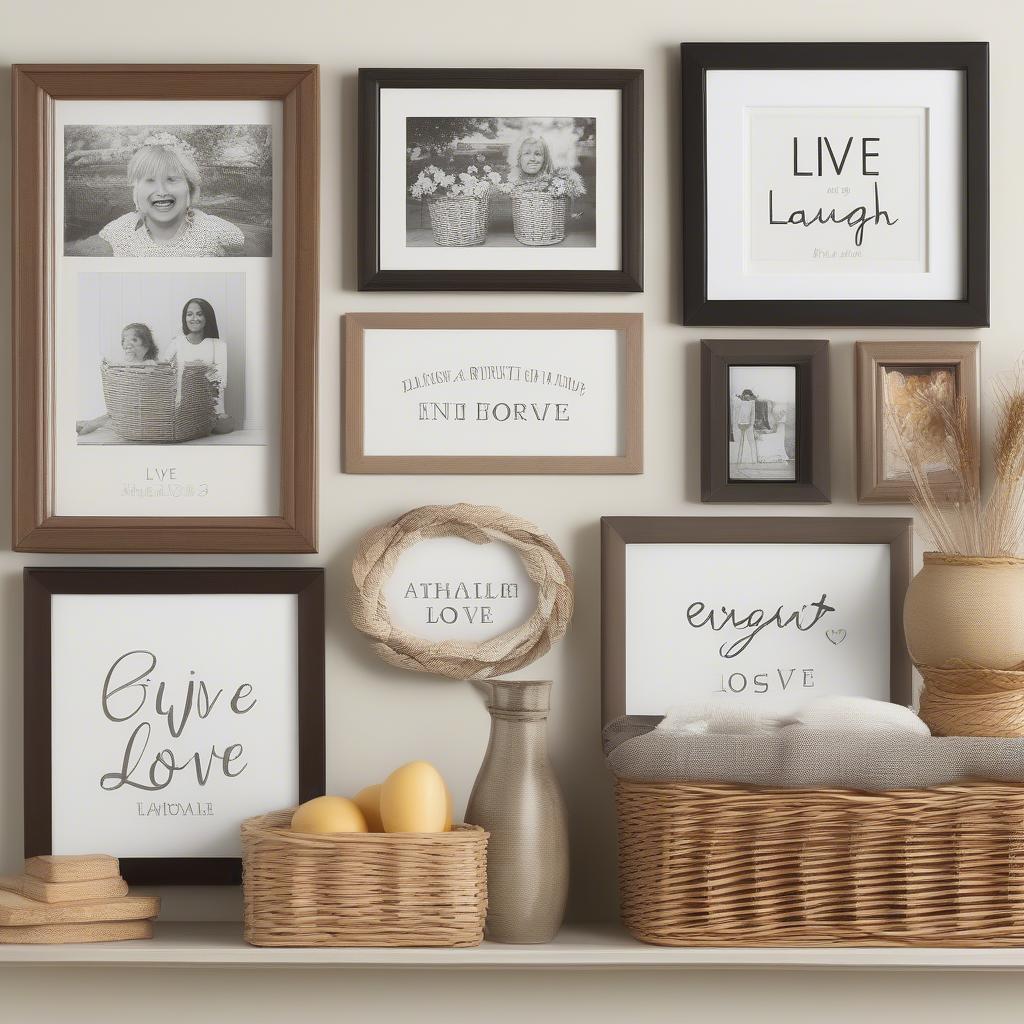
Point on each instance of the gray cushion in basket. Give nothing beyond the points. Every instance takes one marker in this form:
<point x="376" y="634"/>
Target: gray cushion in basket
<point x="797" y="757"/>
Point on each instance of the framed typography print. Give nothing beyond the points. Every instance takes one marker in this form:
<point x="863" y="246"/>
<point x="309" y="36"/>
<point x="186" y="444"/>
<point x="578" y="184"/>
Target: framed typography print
<point x="500" y="179"/>
<point x="165" y="307"/>
<point x="764" y="421"/>
<point x="835" y="184"/>
<point x="165" y="706"/>
<point x="919" y="381"/>
<point x="758" y="613"/>
<point x="493" y="393"/>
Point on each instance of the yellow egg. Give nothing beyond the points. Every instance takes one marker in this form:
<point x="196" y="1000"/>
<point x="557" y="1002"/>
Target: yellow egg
<point x="447" y="810"/>
<point x="368" y="801"/>
<point x="414" y="798"/>
<point x="328" y="814"/>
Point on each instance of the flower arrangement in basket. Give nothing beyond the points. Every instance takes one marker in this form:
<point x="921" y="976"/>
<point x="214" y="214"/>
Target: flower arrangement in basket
<point x="540" y="204"/>
<point x="964" y="613"/>
<point x="457" y="203"/>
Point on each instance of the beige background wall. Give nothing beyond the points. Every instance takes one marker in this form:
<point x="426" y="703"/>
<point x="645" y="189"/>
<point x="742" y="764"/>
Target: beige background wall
<point x="377" y="716"/>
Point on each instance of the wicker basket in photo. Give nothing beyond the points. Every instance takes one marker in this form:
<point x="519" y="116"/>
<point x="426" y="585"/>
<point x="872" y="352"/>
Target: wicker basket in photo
<point x="538" y="218"/>
<point x="715" y="864"/>
<point x="362" y="889"/>
<point x="459" y="221"/>
<point x="142" y="401"/>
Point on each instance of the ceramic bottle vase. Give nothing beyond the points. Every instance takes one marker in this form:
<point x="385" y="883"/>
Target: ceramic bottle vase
<point x="517" y="799"/>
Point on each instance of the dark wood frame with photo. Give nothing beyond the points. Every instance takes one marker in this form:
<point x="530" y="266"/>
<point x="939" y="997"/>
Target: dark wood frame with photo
<point x="619" y="531"/>
<point x="40" y="584"/>
<point x="961" y="357"/>
<point x="629" y="276"/>
<point x="36" y="89"/>
<point x="630" y="390"/>
<point x="970" y="310"/>
<point x="810" y="359"/>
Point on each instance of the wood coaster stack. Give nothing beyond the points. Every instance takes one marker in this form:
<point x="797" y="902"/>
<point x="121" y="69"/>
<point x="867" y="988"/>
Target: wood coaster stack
<point x="73" y="899"/>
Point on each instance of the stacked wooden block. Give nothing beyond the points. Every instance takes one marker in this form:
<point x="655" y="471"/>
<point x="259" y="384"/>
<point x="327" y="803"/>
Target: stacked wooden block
<point x="73" y="899"/>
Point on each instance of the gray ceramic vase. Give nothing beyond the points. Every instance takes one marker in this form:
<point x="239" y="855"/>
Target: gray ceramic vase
<point x="517" y="799"/>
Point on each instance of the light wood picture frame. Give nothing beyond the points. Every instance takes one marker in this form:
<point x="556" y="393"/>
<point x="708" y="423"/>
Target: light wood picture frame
<point x="290" y="524"/>
<point x="517" y="399"/>
<point x="920" y="359"/>
<point x="815" y="534"/>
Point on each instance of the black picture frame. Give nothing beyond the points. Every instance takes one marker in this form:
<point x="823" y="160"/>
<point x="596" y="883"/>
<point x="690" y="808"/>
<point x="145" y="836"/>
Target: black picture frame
<point x="41" y="584"/>
<point x="970" y="58"/>
<point x="629" y="276"/>
<point x="810" y="358"/>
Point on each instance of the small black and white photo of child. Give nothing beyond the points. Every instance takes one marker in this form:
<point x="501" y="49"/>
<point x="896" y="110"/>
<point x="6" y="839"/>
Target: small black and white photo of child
<point x="501" y="181"/>
<point x="762" y="422"/>
<point x="162" y="360"/>
<point x="180" y="190"/>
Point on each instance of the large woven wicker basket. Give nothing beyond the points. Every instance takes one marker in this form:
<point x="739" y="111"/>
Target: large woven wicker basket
<point x="538" y="218"/>
<point x="459" y="221"/>
<point x="715" y="864"/>
<point x="142" y="401"/>
<point x="362" y="889"/>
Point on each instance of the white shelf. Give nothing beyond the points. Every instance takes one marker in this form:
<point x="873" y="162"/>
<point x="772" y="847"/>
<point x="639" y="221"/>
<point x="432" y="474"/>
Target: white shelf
<point x="607" y="946"/>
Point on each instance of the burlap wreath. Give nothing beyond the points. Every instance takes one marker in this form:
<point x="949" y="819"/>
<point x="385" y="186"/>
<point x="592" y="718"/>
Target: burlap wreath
<point x="378" y="554"/>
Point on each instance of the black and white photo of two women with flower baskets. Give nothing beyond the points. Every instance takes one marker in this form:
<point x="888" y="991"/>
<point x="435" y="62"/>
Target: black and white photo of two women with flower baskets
<point x="162" y="355"/>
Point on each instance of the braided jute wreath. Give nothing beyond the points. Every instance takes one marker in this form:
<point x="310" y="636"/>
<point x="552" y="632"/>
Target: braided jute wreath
<point x="379" y="552"/>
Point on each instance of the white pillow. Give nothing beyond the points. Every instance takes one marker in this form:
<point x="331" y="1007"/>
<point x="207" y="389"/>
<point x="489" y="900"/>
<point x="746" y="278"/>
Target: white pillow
<point x="857" y="714"/>
<point x="705" y="716"/>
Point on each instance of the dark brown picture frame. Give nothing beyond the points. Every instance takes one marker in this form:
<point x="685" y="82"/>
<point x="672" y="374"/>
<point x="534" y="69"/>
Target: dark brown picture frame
<point x="36" y="89"/>
<point x="969" y="58"/>
<point x="628" y="325"/>
<point x="40" y="584"/>
<point x="810" y="358"/>
<point x="873" y="357"/>
<point x="629" y="276"/>
<point x="619" y="531"/>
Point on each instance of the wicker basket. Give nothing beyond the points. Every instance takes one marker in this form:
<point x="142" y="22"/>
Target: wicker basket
<point x="714" y="864"/>
<point x="142" y="401"/>
<point x="459" y="221"/>
<point x="538" y="218"/>
<point x="362" y="889"/>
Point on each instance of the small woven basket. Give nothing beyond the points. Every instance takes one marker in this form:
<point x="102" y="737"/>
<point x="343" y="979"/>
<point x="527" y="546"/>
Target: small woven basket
<point x="717" y="864"/>
<point x="459" y="221"/>
<point x="538" y="218"/>
<point x="362" y="889"/>
<point x="142" y="401"/>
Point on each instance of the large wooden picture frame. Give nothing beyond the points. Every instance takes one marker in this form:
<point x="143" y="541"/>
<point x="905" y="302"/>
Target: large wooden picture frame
<point x="619" y="533"/>
<point x="37" y="92"/>
<point x="375" y="274"/>
<point x="521" y="394"/>
<point x="736" y="297"/>
<point x="49" y="688"/>
<point x="807" y="468"/>
<point x="920" y="359"/>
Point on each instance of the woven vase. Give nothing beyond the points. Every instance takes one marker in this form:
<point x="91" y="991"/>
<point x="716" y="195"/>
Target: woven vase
<point x="458" y="221"/>
<point x="516" y="798"/>
<point x="964" y="622"/>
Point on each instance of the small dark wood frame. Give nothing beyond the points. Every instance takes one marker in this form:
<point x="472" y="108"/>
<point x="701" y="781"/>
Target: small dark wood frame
<point x="970" y="310"/>
<point x="36" y="89"/>
<point x="810" y="358"/>
<point x="961" y="357"/>
<point x="39" y="587"/>
<point x="618" y="531"/>
<point x="630" y="406"/>
<point x="628" y="278"/>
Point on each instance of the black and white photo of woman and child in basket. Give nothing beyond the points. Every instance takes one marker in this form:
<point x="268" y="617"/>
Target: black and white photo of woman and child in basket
<point x="501" y="181"/>
<point x="162" y="356"/>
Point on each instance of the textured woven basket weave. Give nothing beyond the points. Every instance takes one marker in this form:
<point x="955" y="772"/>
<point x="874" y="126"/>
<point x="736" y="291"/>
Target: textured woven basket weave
<point x="538" y="218"/>
<point x="142" y="401"/>
<point x="460" y="221"/>
<point x="715" y="864"/>
<point x="362" y="889"/>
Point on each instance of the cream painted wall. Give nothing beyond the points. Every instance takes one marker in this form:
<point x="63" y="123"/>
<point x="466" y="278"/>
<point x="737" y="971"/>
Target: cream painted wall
<point x="378" y="716"/>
